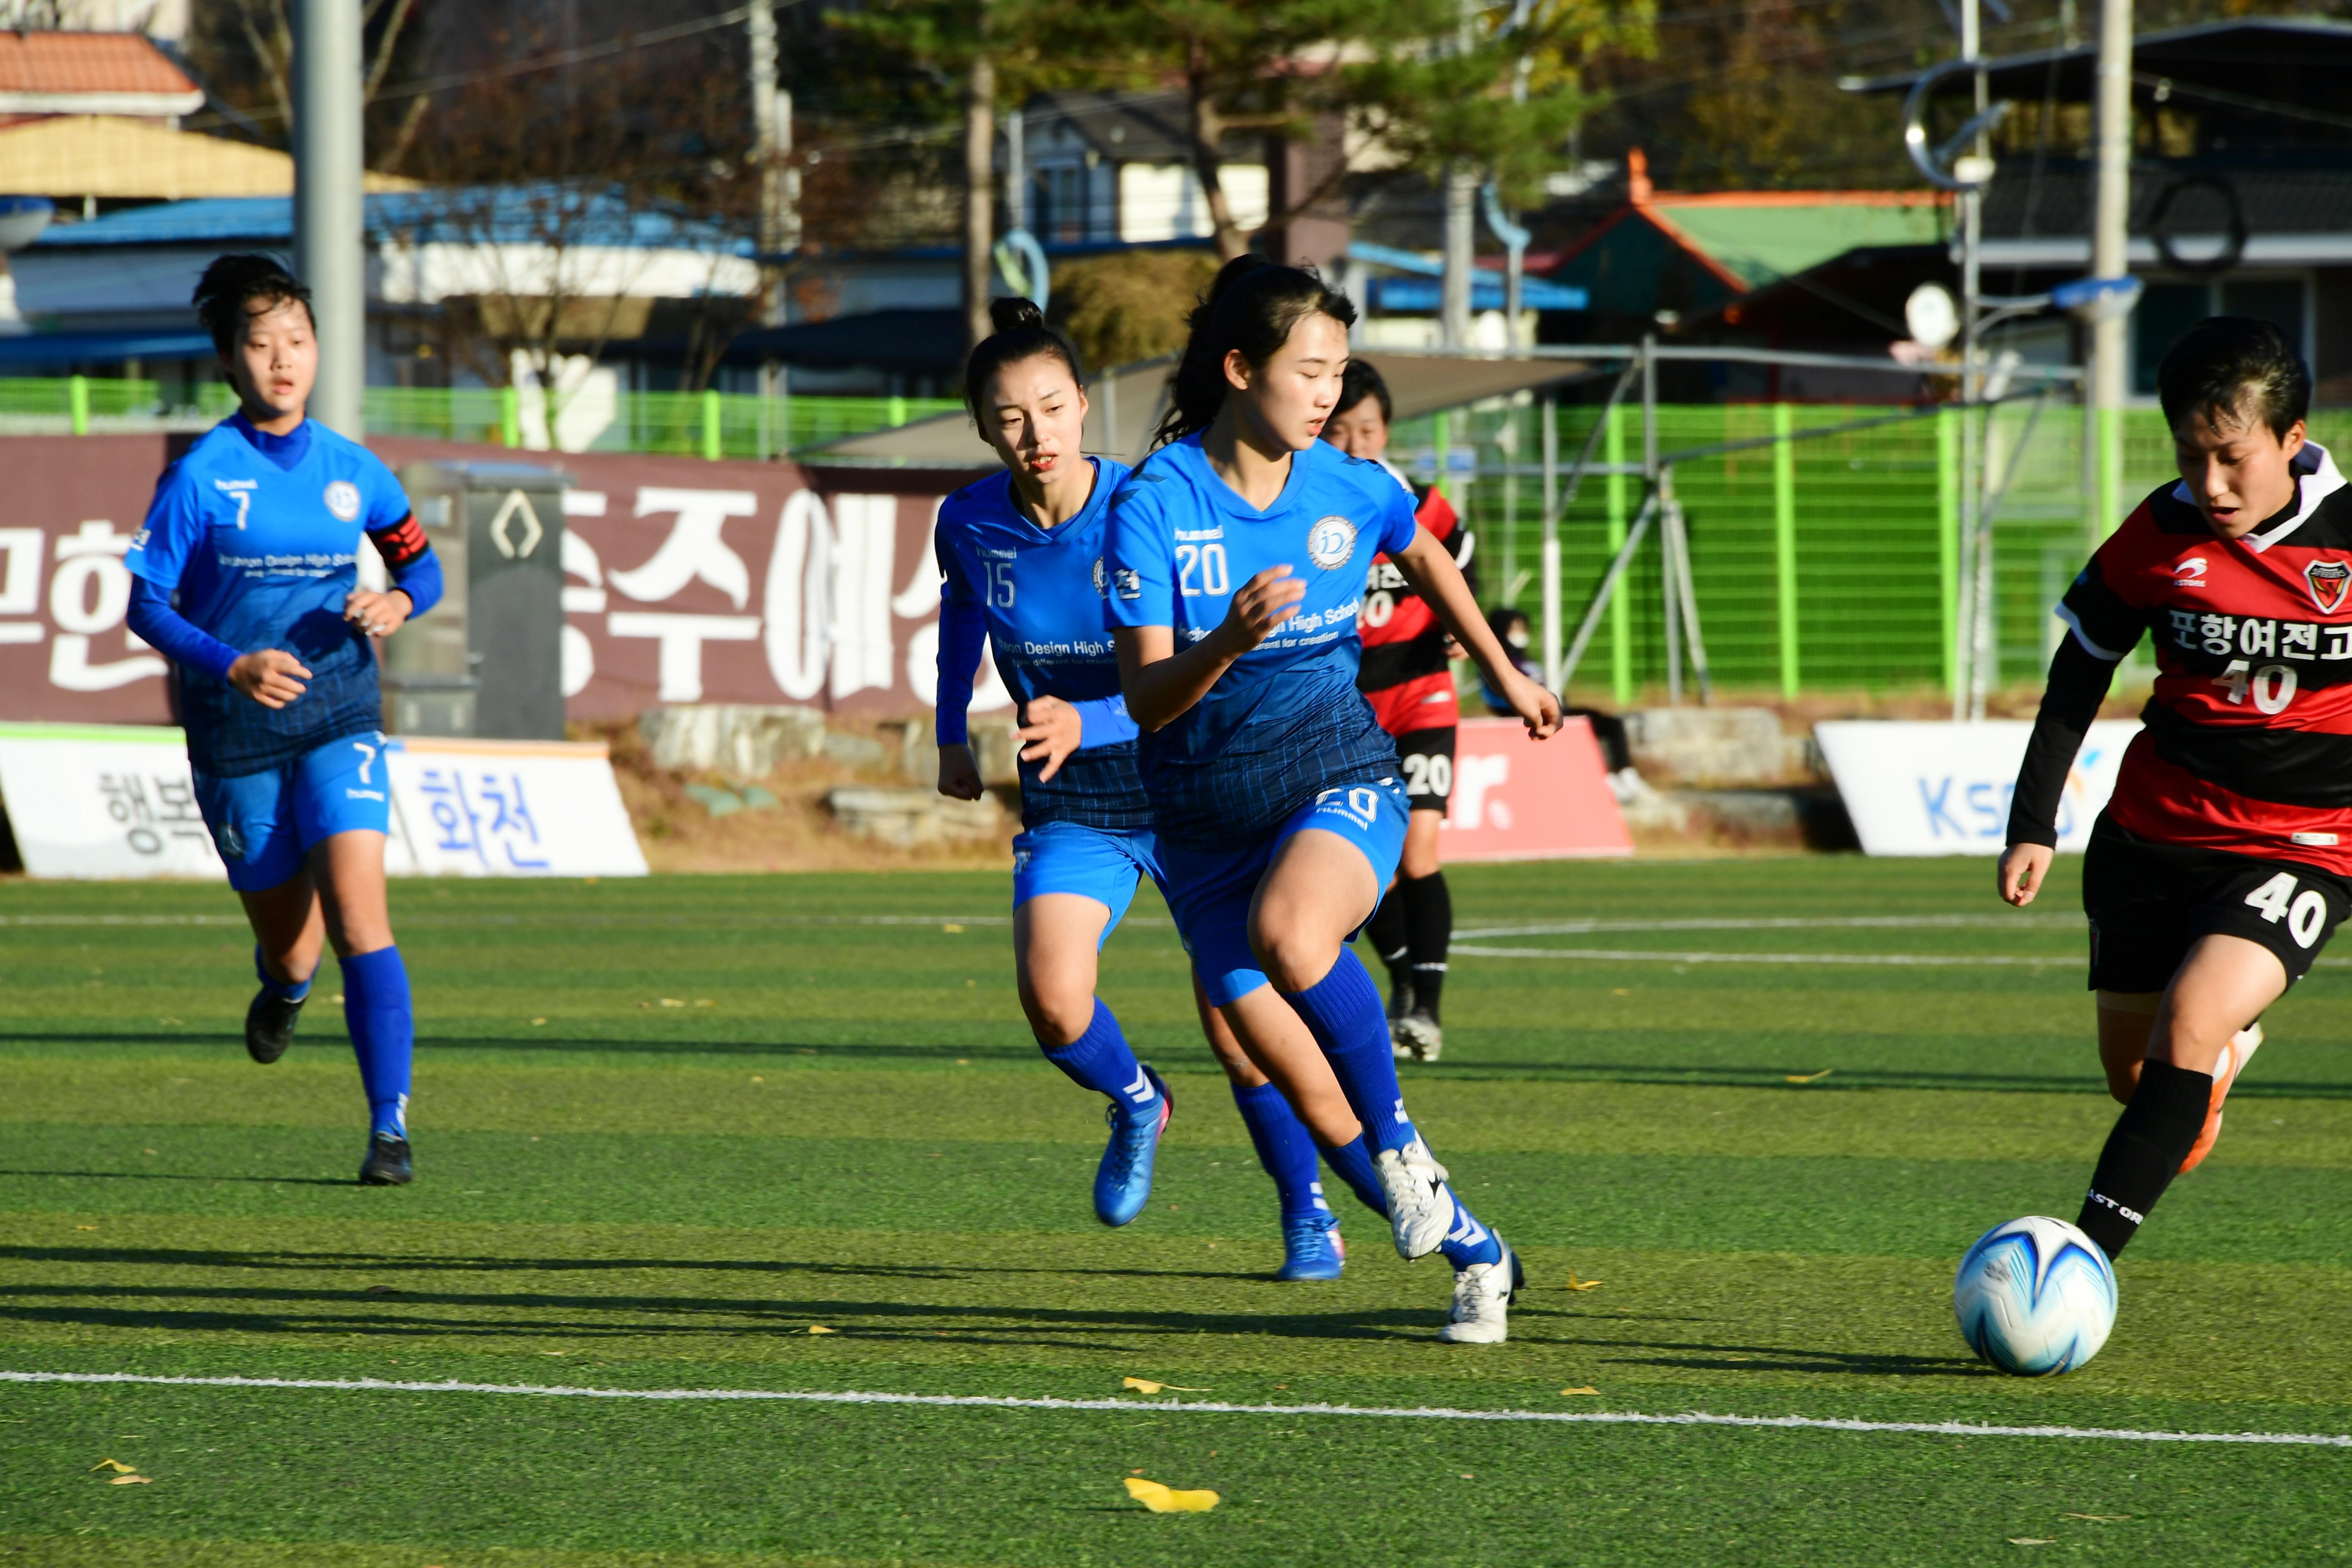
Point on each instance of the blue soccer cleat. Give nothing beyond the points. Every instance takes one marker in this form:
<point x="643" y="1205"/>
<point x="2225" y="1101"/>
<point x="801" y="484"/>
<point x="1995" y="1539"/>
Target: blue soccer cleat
<point x="1311" y="1248"/>
<point x="1123" y="1180"/>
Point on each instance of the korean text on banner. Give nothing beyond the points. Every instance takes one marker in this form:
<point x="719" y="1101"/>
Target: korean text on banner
<point x="507" y="808"/>
<point x="1944" y="789"/>
<point x="1518" y="799"/>
<point x="103" y="801"/>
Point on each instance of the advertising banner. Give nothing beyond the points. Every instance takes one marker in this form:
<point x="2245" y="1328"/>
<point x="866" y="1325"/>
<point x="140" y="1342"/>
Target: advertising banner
<point x="685" y="581"/>
<point x="118" y="801"/>
<point x="1518" y="799"/>
<point x="1944" y="789"/>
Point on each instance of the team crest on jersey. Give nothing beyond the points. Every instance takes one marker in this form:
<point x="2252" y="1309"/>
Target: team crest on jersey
<point x="1101" y="586"/>
<point x="343" y="500"/>
<point x="1330" y="541"/>
<point x="2329" y="582"/>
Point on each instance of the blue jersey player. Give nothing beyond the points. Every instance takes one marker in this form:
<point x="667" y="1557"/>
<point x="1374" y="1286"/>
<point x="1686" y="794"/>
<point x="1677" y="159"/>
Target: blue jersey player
<point x="1235" y="557"/>
<point x="246" y="577"/>
<point x="1020" y="553"/>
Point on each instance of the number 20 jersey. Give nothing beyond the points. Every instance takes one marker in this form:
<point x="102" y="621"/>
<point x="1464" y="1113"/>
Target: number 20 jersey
<point x="2248" y="744"/>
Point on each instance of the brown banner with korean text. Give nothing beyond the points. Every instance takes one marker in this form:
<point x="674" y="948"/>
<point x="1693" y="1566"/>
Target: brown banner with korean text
<point x="684" y="581"/>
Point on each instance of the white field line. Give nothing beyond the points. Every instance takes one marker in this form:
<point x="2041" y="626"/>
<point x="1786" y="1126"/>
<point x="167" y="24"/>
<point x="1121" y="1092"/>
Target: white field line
<point x="1203" y="1408"/>
<point x="1640" y="956"/>
<point x="1782" y="922"/>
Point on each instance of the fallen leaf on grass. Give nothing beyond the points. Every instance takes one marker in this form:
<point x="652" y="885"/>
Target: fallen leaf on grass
<point x="1576" y="1284"/>
<point x="117" y="1466"/>
<point x="337" y="996"/>
<point x="672" y="1001"/>
<point x="952" y="930"/>
<point x="1161" y="1500"/>
<point x="1810" y="1077"/>
<point x="130" y="1480"/>
<point x="1588" y="1389"/>
<point x="2098" y="1518"/>
<point x="821" y="1329"/>
<point x="535" y="1022"/>
<point x="1145" y="1386"/>
<point x="85" y="1227"/>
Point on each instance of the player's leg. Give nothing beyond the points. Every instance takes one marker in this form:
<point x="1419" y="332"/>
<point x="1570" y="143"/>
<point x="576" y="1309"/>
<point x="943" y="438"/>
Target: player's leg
<point x="1285" y="1149"/>
<point x="342" y="806"/>
<point x="251" y="818"/>
<point x="1323" y="877"/>
<point x="1071" y="884"/>
<point x="1420" y="883"/>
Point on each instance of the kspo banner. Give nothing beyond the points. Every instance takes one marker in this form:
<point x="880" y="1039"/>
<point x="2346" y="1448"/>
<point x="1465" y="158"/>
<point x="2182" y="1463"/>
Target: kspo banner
<point x="685" y="581"/>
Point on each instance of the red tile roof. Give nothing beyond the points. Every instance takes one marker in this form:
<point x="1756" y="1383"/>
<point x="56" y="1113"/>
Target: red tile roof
<point x="87" y="62"/>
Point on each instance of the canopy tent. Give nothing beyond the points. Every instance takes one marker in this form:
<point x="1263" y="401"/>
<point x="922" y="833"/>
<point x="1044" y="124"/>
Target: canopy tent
<point x="1129" y="402"/>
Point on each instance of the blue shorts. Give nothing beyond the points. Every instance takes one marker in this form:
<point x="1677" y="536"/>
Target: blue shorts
<point x="1209" y="890"/>
<point x="1092" y="862"/>
<point x="265" y="823"/>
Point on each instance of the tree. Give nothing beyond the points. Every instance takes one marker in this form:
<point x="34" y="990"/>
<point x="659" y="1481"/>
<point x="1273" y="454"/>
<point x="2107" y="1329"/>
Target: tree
<point x="245" y="51"/>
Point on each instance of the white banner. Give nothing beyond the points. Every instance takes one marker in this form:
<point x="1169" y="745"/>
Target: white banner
<point x="1944" y="789"/>
<point x="103" y="801"/>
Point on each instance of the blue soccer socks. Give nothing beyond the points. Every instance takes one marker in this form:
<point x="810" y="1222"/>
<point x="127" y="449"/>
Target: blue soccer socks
<point x="1287" y="1151"/>
<point x="1469" y="1242"/>
<point x="1343" y="1010"/>
<point x="384" y="1033"/>
<point x="1099" y="1059"/>
<point x="284" y="990"/>
<point x="1352" y="1164"/>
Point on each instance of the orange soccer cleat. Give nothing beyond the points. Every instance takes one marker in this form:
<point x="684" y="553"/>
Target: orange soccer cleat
<point x="2235" y="1058"/>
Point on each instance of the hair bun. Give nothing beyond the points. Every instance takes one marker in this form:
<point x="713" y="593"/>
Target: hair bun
<point x="1012" y="311"/>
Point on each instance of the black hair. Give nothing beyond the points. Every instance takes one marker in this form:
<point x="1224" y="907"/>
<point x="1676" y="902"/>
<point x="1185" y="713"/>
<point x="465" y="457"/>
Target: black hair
<point x="225" y="293"/>
<point x="1022" y="333"/>
<point x="1361" y="381"/>
<point x="1251" y="306"/>
<point x="2236" y="367"/>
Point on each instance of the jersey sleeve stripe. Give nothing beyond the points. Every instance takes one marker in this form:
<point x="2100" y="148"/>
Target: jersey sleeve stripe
<point x="2066" y="613"/>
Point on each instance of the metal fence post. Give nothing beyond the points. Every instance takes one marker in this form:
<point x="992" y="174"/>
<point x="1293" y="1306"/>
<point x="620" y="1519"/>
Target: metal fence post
<point x="1784" y="540"/>
<point x="77" y="404"/>
<point x="1548" y="410"/>
<point x="1621" y="609"/>
<point x="510" y="416"/>
<point x="1440" y="437"/>
<point x="713" y="441"/>
<point x="1948" y="545"/>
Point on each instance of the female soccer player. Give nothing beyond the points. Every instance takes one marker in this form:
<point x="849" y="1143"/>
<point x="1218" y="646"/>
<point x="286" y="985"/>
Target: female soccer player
<point x="1237" y="556"/>
<point x="1407" y="677"/>
<point x="1021" y="554"/>
<point x="246" y="577"/>
<point x="2224" y="862"/>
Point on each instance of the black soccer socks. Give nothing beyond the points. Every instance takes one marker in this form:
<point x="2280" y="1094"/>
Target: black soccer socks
<point x="1429" y="932"/>
<point x="2143" y="1152"/>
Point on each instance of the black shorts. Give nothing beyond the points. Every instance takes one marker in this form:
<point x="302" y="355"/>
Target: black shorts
<point x="1427" y="758"/>
<point x="2150" y="903"/>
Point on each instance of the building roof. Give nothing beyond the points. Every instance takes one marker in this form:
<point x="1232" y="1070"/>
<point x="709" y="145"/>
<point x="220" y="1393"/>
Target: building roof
<point x="511" y="215"/>
<point x="1761" y="236"/>
<point x="115" y="158"/>
<point x="1123" y="127"/>
<point x="91" y="73"/>
<point x="2263" y="51"/>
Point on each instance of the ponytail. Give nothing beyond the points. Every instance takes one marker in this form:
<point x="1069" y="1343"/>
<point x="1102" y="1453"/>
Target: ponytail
<point x="1252" y="306"/>
<point x="1022" y="333"/>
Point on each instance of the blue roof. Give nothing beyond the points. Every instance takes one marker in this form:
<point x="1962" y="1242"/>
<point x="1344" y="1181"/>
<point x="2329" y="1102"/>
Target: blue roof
<point x="1420" y="294"/>
<point x="509" y="213"/>
<point x="102" y="348"/>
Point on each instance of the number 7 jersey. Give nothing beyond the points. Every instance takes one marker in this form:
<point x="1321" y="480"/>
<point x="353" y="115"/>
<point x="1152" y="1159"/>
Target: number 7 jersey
<point x="2248" y="744"/>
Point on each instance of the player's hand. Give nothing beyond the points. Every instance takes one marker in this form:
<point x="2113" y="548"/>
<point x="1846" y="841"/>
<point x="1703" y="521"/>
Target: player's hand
<point x="2022" y="866"/>
<point x="1264" y="601"/>
<point x="1533" y="703"/>
<point x="1052" y="728"/>
<point x="378" y="615"/>
<point x="958" y="774"/>
<point x="270" y="678"/>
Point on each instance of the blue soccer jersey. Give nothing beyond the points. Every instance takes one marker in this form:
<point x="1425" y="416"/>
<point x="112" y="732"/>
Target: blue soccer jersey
<point x="1286" y="721"/>
<point x="258" y="538"/>
<point x="1037" y="594"/>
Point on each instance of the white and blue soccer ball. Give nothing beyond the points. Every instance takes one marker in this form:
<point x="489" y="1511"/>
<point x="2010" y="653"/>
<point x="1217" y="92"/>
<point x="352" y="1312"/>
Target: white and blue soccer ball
<point x="2034" y="1297"/>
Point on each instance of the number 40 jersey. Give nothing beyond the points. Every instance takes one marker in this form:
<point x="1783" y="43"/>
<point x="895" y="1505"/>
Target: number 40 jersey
<point x="2248" y="744"/>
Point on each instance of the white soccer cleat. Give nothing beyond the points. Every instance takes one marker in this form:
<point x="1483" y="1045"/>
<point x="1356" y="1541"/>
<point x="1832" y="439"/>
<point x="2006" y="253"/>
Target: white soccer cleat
<point x="1416" y="1035"/>
<point x="1420" y="1210"/>
<point x="1482" y="1302"/>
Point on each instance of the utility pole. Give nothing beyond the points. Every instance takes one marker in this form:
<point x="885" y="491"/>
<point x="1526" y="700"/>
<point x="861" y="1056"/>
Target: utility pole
<point x="979" y="188"/>
<point x="2103" y="382"/>
<point x="1461" y="235"/>
<point x="771" y="134"/>
<point x="329" y="215"/>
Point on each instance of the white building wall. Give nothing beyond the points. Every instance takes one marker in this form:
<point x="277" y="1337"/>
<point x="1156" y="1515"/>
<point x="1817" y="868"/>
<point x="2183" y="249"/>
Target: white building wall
<point x="1163" y="201"/>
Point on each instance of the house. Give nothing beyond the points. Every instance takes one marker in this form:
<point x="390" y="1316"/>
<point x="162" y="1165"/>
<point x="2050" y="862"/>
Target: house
<point x="2241" y="182"/>
<point x="1117" y="167"/>
<point x="123" y="74"/>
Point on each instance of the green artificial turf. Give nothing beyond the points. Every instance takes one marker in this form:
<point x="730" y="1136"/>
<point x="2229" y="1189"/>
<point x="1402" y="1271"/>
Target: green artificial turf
<point x="664" y="1128"/>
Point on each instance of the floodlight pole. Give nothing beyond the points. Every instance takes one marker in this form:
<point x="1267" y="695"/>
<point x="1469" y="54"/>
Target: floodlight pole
<point x="329" y="213"/>
<point x="1548" y="410"/>
<point x="1967" y="699"/>
<point x="2103" y="379"/>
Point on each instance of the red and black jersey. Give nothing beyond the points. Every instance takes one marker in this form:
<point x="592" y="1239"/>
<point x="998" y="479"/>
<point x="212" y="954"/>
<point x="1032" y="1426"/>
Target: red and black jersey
<point x="2248" y="744"/>
<point x="1405" y="674"/>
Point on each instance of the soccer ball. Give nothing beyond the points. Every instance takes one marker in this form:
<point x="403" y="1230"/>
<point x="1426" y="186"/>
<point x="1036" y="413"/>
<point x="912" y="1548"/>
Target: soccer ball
<point x="2035" y="1296"/>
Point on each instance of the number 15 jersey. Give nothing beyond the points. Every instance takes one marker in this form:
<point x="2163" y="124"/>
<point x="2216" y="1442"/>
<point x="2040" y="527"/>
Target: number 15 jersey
<point x="1286" y="719"/>
<point x="2248" y="744"/>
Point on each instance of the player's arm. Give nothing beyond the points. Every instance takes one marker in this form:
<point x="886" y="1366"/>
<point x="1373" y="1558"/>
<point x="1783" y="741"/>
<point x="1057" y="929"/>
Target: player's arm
<point x="963" y="636"/>
<point x="1161" y="684"/>
<point x="1439" y="582"/>
<point x="2103" y="630"/>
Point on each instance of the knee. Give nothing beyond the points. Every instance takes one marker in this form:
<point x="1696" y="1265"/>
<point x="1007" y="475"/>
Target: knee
<point x="1292" y="959"/>
<point x="1418" y="860"/>
<point x="1058" y="1016"/>
<point x="2121" y="1082"/>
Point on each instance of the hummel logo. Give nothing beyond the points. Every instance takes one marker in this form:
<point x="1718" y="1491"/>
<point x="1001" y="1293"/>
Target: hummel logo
<point x="1140" y="1090"/>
